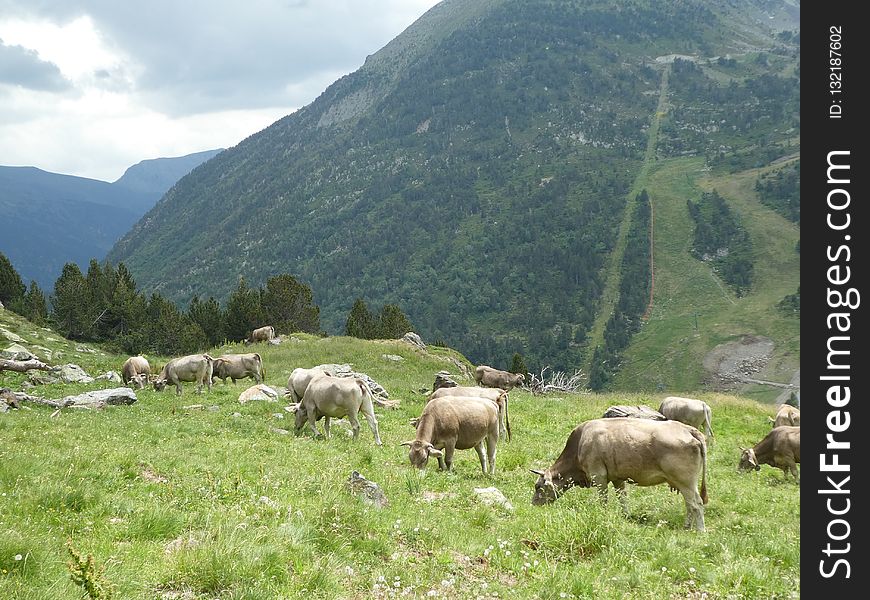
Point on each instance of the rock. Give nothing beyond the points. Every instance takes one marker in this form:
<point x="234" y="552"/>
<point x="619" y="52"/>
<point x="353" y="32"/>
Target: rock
<point x="17" y="352"/>
<point x="261" y="391"/>
<point x="443" y="379"/>
<point x="100" y="398"/>
<point x="392" y="357"/>
<point x="110" y="376"/>
<point x="71" y="373"/>
<point x="36" y="378"/>
<point x="641" y="411"/>
<point x="275" y="341"/>
<point x="346" y="370"/>
<point x="279" y="431"/>
<point x="414" y="339"/>
<point x="10" y="336"/>
<point x="493" y="497"/>
<point x="85" y="350"/>
<point x="368" y="491"/>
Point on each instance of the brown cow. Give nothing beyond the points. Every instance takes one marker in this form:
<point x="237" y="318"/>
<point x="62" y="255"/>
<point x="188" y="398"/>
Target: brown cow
<point x="262" y="334"/>
<point x="299" y="379"/>
<point x="787" y="415"/>
<point x="489" y="377"/>
<point x="639" y="451"/>
<point x="781" y="448"/>
<point x="336" y="397"/>
<point x="497" y="395"/>
<point x="690" y="411"/>
<point x="136" y="369"/>
<point x="456" y="423"/>
<point x="239" y="366"/>
<point x="193" y="367"/>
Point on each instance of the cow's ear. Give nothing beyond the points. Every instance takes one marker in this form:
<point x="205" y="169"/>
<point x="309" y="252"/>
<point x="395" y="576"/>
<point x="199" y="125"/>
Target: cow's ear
<point x="435" y="452"/>
<point x="742" y="449"/>
<point x="406" y="443"/>
<point x="537" y="472"/>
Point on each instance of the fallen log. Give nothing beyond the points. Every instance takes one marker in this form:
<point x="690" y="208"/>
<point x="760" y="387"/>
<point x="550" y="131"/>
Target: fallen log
<point x="22" y="366"/>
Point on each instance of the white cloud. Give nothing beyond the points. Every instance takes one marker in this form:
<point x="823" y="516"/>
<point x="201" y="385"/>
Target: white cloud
<point x="112" y="83"/>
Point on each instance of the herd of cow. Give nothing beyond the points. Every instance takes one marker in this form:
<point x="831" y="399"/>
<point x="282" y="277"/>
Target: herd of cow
<point x="598" y="452"/>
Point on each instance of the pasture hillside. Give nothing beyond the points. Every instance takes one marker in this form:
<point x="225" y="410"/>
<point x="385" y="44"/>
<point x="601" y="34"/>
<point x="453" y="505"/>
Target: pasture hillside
<point x="175" y="500"/>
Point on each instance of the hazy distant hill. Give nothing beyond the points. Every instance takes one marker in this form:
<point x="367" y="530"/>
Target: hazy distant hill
<point x="50" y="219"/>
<point x="476" y="170"/>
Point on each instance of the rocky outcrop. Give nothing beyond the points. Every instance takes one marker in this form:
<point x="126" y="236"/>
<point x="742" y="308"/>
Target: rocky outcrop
<point x="414" y="339"/>
<point x="641" y="411"/>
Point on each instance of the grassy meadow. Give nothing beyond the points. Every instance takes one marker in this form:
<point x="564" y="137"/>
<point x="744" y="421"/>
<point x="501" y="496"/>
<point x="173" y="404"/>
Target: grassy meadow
<point x="179" y="502"/>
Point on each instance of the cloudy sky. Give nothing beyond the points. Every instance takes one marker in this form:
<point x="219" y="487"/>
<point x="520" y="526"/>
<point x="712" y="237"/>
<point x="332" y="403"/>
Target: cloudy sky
<point x="90" y="87"/>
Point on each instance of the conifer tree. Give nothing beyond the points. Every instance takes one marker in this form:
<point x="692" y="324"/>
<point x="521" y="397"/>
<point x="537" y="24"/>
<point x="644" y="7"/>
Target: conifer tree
<point x="392" y="323"/>
<point x="35" y="306"/>
<point x="360" y="321"/>
<point x="288" y="305"/>
<point x="11" y="287"/>
<point x="69" y="303"/>
<point x="244" y="312"/>
<point x="210" y="317"/>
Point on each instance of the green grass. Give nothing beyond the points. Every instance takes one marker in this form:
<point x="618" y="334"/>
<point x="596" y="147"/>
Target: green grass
<point x="218" y="504"/>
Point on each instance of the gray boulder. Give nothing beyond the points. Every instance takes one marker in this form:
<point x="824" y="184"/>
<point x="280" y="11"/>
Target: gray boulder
<point x="71" y="373"/>
<point x="641" y="411"/>
<point x="414" y="339"/>
<point x="368" y="491"/>
<point x="17" y="352"/>
<point x="492" y="496"/>
<point x="100" y="398"/>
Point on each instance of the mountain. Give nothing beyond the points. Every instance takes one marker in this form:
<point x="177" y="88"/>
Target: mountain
<point x="51" y="219"/>
<point x="480" y="170"/>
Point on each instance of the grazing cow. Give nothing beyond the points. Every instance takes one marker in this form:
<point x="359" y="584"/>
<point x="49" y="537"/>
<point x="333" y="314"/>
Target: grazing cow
<point x="262" y="334"/>
<point x="299" y="379"/>
<point x="136" y="369"/>
<point x="489" y="377"/>
<point x="335" y="397"/>
<point x="781" y="448"/>
<point x="239" y="366"/>
<point x="787" y="415"/>
<point x="692" y="412"/>
<point x="639" y="451"/>
<point x="193" y="367"/>
<point x="453" y="423"/>
<point x="497" y="395"/>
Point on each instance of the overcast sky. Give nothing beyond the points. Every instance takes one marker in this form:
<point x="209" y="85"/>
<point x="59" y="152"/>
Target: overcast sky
<point x="90" y="88"/>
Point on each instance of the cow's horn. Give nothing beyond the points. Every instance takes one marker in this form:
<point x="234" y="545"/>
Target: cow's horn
<point x="406" y="443"/>
<point x="537" y="472"/>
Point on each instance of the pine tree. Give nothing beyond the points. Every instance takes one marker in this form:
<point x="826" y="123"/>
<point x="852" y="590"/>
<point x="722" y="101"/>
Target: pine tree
<point x="360" y="321"/>
<point x="11" y="287"/>
<point x="288" y="305"/>
<point x="210" y="317"/>
<point x="392" y="323"/>
<point x="244" y="312"/>
<point x="518" y="364"/>
<point x="35" y="306"/>
<point x="171" y="332"/>
<point x="69" y="304"/>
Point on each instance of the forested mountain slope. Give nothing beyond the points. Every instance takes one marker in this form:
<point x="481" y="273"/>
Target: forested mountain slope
<point x="476" y="170"/>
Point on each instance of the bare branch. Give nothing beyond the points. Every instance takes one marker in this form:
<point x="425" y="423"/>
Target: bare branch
<point x="22" y="366"/>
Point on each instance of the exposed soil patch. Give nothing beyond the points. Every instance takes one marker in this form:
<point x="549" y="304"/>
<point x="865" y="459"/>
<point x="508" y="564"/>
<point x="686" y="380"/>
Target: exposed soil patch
<point x="732" y="364"/>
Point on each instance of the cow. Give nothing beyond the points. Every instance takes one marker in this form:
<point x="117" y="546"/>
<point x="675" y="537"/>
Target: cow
<point x="262" y="334"/>
<point x="298" y="381"/>
<point x="787" y="415"/>
<point x="489" y="377"/>
<point x="335" y="397"/>
<point x="497" y="395"/>
<point x="193" y="367"/>
<point x="136" y="369"/>
<point x="450" y="423"/>
<point x="781" y="448"/>
<point x="239" y="366"/>
<point x="692" y="412"/>
<point x="639" y="451"/>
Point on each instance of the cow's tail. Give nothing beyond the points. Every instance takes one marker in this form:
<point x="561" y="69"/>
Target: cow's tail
<point x="700" y="437"/>
<point x="507" y="421"/>
<point x="262" y="366"/>
<point x="368" y="397"/>
<point x="708" y="417"/>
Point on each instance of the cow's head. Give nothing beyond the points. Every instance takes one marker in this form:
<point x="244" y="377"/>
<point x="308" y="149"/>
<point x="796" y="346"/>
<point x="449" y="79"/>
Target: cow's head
<point x="748" y="460"/>
<point x="549" y="486"/>
<point x="159" y="384"/>
<point x="139" y="379"/>
<point x="301" y="418"/>
<point x="420" y="451"/>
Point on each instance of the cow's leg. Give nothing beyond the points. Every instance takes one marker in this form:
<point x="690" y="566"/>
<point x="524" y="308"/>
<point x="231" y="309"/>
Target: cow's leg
<point x="599" y="480"/>
<point x="491" y="447"/>
<point x="326" y="424"/>
<point x="448" y="455"/>
<point x="622" y="495"/>
<point x="368" y="411"/>
<point x="694" y="508"/>
<point x="354" y="423"/>
<point x="311" y="422"/>
<point x="481" y="455"/>
<point x="178" y="388"/>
